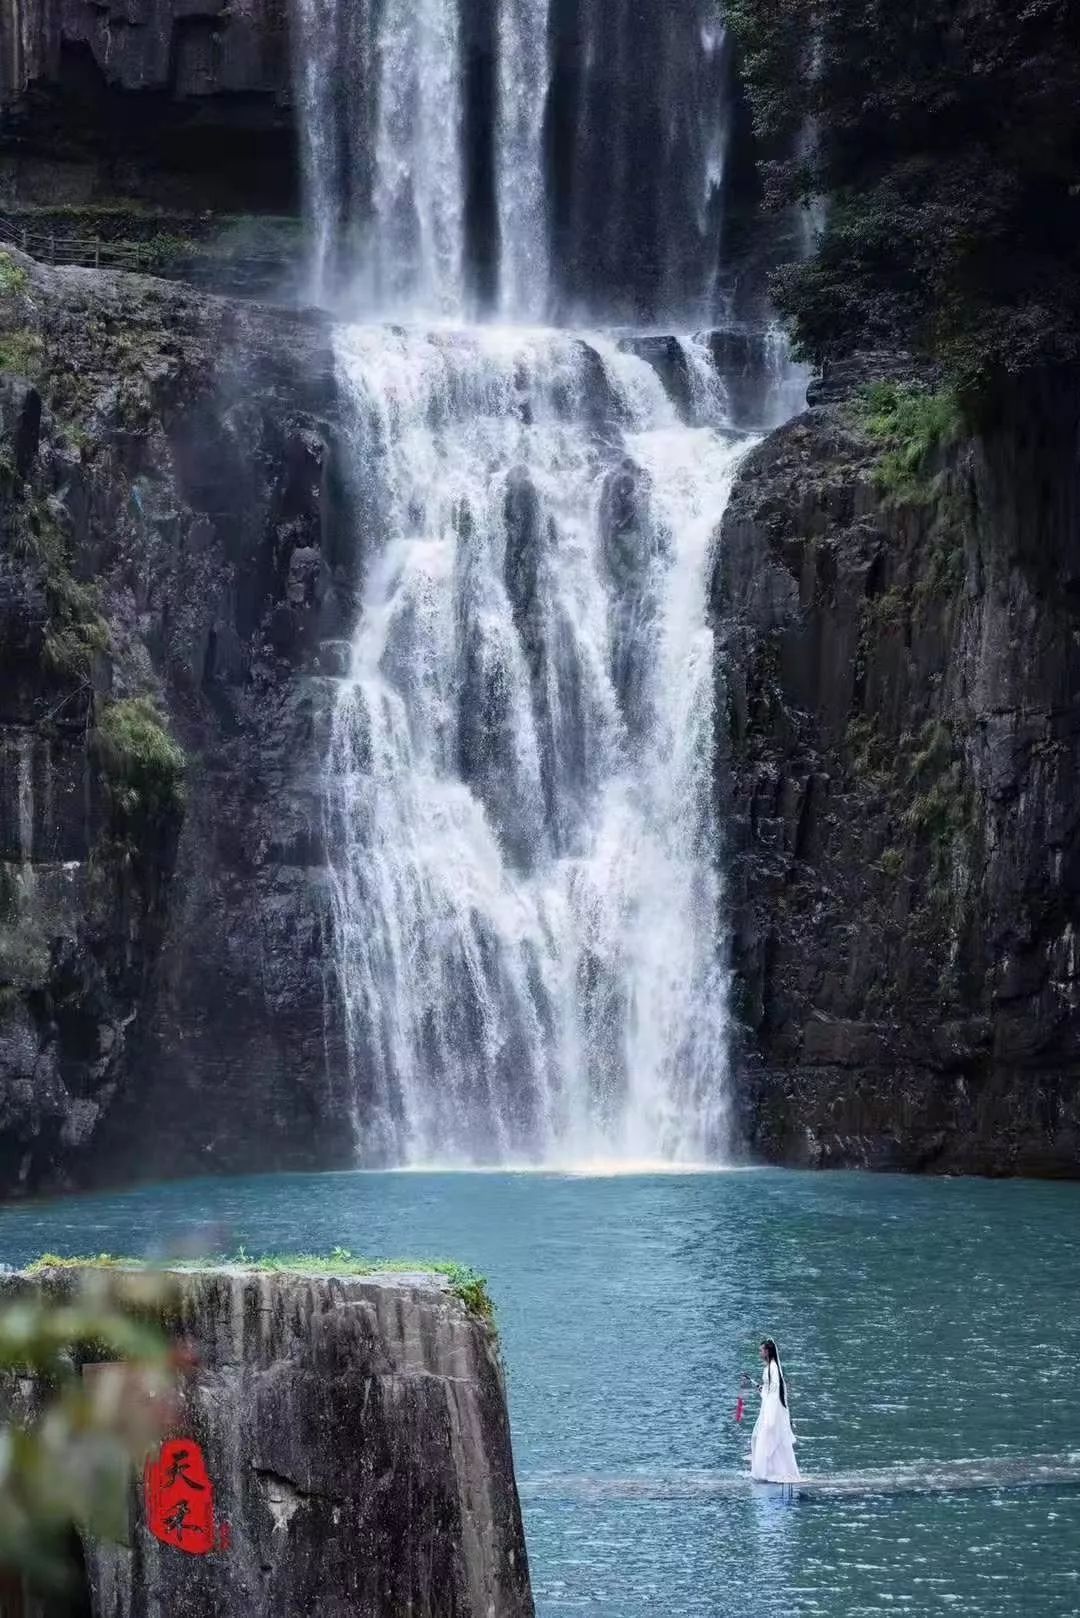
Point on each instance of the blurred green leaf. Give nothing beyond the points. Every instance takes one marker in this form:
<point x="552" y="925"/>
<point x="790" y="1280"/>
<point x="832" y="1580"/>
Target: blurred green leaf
<point x="88" y="1387"/>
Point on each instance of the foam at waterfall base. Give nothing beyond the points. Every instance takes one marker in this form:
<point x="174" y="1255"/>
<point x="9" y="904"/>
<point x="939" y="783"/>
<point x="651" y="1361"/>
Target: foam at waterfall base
<point x="596" y="1168"/>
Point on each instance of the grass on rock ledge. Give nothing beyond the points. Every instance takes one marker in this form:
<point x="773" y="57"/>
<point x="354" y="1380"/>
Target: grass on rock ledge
<point x="144" y="766"/>
<point x="910" y="424"/>
<point x="464" y="1282"/>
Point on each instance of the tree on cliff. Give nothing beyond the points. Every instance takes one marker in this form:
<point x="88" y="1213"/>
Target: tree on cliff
<point x="944" y="139"/>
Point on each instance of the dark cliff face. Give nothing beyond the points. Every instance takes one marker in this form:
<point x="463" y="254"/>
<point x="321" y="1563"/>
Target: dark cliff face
<point x="171" y="531"/>
<point x="902" y="685"/>
<point x="357" y="1440"/>
<point x="181" y="103"/>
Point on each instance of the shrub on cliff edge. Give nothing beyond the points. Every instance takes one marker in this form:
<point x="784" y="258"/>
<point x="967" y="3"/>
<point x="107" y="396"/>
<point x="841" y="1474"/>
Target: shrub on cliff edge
<point x="464" y="1282"/>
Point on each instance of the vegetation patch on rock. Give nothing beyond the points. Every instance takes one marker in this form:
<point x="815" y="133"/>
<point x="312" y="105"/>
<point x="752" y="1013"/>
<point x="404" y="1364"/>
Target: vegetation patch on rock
<point x="21" y="352"/>
<point x="911" y="424"/>
<point x="13" y="280"/>
<point x="75" y="632"/>
<point x="464" y="1282"/>
<point x="144" y="767"/>
<point x="24" y="949"/>
<point x="945" y="147"/>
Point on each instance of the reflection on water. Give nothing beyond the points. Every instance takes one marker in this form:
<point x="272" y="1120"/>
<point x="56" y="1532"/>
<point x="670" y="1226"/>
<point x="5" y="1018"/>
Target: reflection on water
<point x="930" y="1339"/>
<point x="930" y="1477"/>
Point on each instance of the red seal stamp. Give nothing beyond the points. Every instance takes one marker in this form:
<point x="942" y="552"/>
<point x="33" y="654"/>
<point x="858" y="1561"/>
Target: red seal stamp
<point x="180" y="1499"/>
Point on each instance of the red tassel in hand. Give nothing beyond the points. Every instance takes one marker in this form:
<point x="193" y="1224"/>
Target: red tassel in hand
<point x="739" y="1409"/>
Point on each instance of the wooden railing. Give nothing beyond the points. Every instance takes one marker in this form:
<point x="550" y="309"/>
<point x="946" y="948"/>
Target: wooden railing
<point x="180" y="262"/>
<point x="58" y="248"/>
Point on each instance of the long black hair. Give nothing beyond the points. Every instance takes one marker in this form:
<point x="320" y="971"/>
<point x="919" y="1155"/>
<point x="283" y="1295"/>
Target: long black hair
<point x="770" y="1348"/>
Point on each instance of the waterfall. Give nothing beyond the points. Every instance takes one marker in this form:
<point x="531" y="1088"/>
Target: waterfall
<point x="380" y="99"/>
<point x="813" y="214"/>
<point x="520" y="795"/>
<point x="521" y="792"/>
<point x="522" y="157"/>
<point x="415" y="245"/>
<point x="523" y="89"/>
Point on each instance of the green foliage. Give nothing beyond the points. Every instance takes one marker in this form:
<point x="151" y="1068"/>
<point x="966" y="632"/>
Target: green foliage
<point x="870" y="757"/>
<point x="76" y="633"/>
<point x="13" y="280"/>
<point x="100" y="1261"/>
<point x="80" y="438"/>
<point x="72" y="642"/>
<point x="143" y="765"/>
<point x="66" y="1457"/>
<point x="940" y="812"/>
<point x="892" y="862"/>
<point x="946" y="147"/>
<point x="923" y="788"/>
<point x="943" y="571"/>
<point x="896" y="413"/>
<point x="464" y="1282"/>
<point x="911" y="424"/>
<point x="887" y="611"/>
<point x="934" y="749"/>
<point x="471" y="1288"/>
<point x="24" y="948"/>
<point x="21" y="352"/>
<point x="773" y="37"/>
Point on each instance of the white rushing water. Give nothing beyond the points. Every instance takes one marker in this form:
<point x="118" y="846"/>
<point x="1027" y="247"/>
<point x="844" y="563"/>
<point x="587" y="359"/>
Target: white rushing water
<point x="380" y="89"/>
<point x="320" y="154"/>
<point x="512" y="158"/>
<point x="380" y="97"/>
<point x="521" y="797"/>
<point x="414" y="255"/>
<point x="522" y="201"/>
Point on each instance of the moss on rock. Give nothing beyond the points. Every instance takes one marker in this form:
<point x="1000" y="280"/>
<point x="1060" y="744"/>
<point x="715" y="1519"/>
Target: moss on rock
<point x="464" y="1282"/>
<point x="144" y="767"/>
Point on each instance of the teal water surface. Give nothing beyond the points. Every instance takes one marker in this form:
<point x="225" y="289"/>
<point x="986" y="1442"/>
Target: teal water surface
<point x="931" y="1339"/>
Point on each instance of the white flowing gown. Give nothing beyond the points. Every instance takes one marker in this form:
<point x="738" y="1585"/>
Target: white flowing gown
<point x="772" y="1443"/>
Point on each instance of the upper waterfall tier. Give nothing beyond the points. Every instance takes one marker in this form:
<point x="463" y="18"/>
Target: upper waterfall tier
<point x="541" y="159"/>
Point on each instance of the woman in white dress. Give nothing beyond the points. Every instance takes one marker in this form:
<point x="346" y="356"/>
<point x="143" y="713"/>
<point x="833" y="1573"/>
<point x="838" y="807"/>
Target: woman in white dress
<point x="772" y="1452"/>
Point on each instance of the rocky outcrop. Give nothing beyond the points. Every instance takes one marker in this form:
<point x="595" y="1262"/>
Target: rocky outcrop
<point x="182" y="103"/>
<point x="187" y="47"/>
<point x="901" y="676"/>
<point x="174" y="531"/>
<point x="356" y="1438"/>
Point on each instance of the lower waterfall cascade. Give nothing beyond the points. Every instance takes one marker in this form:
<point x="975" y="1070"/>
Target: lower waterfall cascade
<point x="521" y="768"/>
